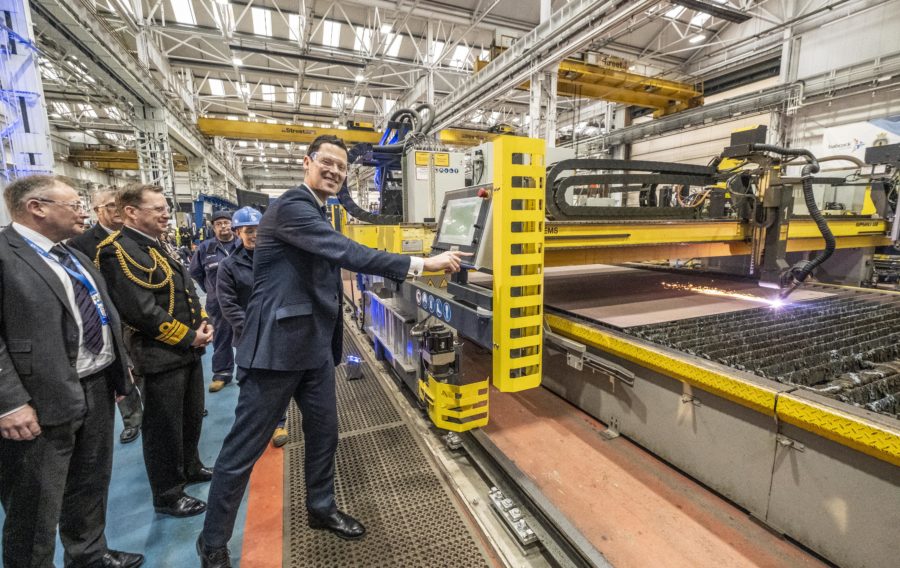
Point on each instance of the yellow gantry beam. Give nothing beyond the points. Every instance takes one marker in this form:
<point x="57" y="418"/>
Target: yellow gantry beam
<point x="616" y="242"/>
<point x="249" y="130"/>
<point x="595" y="81"/>
<point x="118" y="159"/>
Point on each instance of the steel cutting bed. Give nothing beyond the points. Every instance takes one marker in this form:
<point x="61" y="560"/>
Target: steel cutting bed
<point x="846" y="347"/>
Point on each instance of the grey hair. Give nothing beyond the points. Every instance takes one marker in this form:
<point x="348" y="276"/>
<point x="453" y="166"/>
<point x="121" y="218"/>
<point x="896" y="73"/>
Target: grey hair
<point x="20" y="191"/>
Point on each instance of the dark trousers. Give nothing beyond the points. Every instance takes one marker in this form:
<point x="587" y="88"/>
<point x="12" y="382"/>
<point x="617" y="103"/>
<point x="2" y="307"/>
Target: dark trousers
<point x="223" y="353"/>
<point x="60" y="477"/>
<point x="263" y="400"/>
<point x="173" y="417"/>
<point x="130" y="407"/>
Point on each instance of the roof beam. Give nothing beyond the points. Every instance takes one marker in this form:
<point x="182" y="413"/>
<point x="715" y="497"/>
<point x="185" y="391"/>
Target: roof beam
<point x="77" y="24"/>
<point x="569" y="29"/>
<point x="721" y="11"/>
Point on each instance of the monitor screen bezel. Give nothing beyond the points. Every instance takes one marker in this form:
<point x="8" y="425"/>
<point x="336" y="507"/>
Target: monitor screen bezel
<point x="463" y="193"/>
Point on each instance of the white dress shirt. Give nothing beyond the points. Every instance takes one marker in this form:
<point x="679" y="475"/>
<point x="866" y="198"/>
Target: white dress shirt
<point x="87" y="362"/>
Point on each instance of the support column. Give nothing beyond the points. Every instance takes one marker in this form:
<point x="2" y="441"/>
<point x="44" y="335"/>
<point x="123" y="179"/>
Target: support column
<point x="551" y="80"/>
<point x="534" y="105"/>
<point x="25" y="147"/>
<point x="200" y="178"/>
<point x="431" y="55"/>
<point x="154" y="152"/>
<point x="540" y="127"/>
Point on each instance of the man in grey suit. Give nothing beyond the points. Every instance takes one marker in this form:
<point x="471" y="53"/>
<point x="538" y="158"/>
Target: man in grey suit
<point x="62" y="363"/>
<point x="110" y="220"/>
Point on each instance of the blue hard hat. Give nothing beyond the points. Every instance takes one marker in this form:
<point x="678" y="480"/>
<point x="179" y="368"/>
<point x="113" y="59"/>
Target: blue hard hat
<point x="245" y="217"/>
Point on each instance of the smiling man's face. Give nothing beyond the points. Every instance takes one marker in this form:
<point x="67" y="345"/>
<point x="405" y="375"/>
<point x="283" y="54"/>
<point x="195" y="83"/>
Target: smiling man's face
<point x="326" y="169"/>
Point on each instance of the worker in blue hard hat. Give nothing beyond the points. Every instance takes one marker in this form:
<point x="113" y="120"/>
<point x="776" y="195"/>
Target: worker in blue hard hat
<point x="234" y="282"/>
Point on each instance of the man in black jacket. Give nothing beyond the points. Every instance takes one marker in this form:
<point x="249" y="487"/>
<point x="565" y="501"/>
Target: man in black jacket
<point x="108" y="221"/>
<point x="291" y="341"/>
<point x="62" y="361"/>
<point x="167" y="331"/>
<point x="234" y="282"/>
<point x="204" y="266"/>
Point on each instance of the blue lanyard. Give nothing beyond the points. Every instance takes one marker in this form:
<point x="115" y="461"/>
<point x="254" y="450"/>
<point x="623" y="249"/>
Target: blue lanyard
<point x="79" y="275"/>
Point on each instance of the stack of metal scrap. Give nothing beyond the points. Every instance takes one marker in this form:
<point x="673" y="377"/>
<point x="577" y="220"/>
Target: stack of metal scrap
<point x="845" y="347"/>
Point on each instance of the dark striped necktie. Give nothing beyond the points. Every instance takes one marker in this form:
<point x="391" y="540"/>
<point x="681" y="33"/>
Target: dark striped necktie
<point x="92" y="327"/>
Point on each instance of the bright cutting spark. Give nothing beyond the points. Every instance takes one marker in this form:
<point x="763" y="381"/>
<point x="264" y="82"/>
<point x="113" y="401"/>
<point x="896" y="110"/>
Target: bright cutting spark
<point x="772" y="303"/>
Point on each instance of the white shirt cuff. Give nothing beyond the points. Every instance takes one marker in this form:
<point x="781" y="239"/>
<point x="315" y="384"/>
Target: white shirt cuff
<point x="416" y="266"/>
<point x="5" y="414"/>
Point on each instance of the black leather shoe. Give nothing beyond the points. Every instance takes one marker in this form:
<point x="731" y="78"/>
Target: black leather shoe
<point x="202" y="475"/>
<point x="214" y="557"/>
<point x="118" y="559"/>
<point x="339" y="523"/>
<point x="129" y="434"/>
<point x="184" y="506"/>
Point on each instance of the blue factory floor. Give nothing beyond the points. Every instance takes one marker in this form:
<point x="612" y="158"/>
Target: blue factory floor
<point x="132" y="524"/>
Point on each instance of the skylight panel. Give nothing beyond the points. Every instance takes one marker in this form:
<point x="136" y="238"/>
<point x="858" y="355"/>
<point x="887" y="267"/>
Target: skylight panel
<point x="290" y="95"/>
<point x="362" y="39"/>
<point x="460" y="57"/>
<point x="337" y="100"/>
<point x="183" y="11"/>
<point x="295" y="30"/>
<point x="217" y="87"/>
<point x="699" y="19"/>
<point x="437" y="47"/>
<point x="393" y="42"/>
<point x="87" y="110"/>
<point x="315" y="98"/>
<point x="268" y="93"/>
<point x="61" y="108"/>
<point x="331" y="33"/>
<point x="359" y="104"/>
<point x="262" y="21"/>
<point x="389" y="105"/>
<point x="675" y="12"/>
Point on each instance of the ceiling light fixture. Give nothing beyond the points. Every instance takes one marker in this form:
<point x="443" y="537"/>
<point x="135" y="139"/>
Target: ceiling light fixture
<point x="237" y="61"/>
<point x="360" y="78"/>
<point x="697" y="38"/>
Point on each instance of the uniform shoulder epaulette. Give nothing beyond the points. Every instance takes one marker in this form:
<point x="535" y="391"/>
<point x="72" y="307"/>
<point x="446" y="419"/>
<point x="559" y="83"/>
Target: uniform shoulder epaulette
<point x="110" y="239"/>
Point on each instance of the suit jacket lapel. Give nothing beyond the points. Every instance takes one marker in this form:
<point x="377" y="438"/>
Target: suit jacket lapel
<point x="32" y="259"/>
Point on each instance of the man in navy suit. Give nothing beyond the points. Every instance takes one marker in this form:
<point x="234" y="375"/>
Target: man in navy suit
<point x="292" y="338"/>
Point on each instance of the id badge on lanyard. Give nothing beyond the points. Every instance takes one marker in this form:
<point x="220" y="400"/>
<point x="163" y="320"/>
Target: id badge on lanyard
<point x="80" y="276"/>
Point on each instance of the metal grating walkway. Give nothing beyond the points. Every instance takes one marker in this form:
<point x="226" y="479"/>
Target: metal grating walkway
<point x="385" y="479"/>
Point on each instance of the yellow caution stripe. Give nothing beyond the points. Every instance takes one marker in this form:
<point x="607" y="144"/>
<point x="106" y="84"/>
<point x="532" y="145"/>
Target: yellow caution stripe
<point x="457" y="408"/>
<point x="756" y="397"/>
<point x="851" y="431"/>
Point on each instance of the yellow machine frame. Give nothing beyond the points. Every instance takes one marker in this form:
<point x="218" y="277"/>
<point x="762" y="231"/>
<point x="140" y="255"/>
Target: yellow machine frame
<point x="524" y="242"/>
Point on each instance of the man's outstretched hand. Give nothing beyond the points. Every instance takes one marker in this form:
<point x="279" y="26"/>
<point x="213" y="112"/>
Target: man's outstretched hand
<point x="448" y="261"/>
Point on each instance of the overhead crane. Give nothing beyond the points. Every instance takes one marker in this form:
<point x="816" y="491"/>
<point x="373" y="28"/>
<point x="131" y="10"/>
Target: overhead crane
<point x="251" y="130"/>
<point x="614" y="83"/>
<point x="118" y="159"/>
